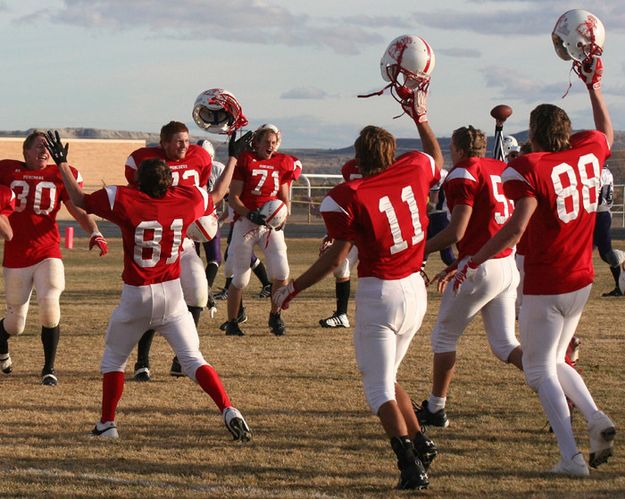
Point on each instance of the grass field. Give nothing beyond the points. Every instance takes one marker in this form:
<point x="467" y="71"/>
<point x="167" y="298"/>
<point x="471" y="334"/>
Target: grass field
<point x="301" y="394"/>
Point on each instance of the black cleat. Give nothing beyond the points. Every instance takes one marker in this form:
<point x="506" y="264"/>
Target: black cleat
<point x="413" y="475"/>
<point x="142" y="372"/>
<point x="614" y="292"/>
<point x="241" y="318"/>
<point x="233" y="329"/>
<point x="176" y="368"/>
<point x="221" y="295"/>
<point x="276" y="324"/>
<point x="6" y="366"/>
<point x="265" y="292"/>
<point x="427" y="418"/>
<point x="236" y="425"/>
<point x="48" y="377"/>
<point x="425" y="449"/>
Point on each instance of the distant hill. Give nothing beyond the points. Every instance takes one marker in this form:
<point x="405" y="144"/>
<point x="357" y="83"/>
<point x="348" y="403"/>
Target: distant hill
<point x="318" y="160"/>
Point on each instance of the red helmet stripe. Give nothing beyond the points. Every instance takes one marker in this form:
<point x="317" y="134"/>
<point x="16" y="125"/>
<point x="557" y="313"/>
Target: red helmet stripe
<point x="429" y="51"/>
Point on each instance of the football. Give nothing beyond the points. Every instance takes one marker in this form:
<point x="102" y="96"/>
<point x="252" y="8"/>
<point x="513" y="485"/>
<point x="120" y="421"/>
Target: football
<point x="501" y="112"/>
<point x="275" y="213"/>
<point x="204" y="228"/>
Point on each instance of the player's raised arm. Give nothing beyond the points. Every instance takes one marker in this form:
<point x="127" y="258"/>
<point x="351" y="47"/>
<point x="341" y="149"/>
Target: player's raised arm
<point x="58" y="152"/>
<point x="591" y="73"/>
<point x="416" y="108"/>
<point x="235" y="147"/>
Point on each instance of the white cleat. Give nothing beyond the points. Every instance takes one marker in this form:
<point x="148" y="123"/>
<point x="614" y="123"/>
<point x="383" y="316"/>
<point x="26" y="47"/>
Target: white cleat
<point x="572" y="467"/>
<point x="601" y="431"/>
<point x="105" y="430"/>
<point x="335" y="320"/>
<point x="236" y="425"/>
<point x="6" y="366"/>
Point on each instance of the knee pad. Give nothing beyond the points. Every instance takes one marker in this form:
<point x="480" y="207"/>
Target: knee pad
<point x="443" y="341"/>
<point x="15" y="319"/>
<point x="242" y="280"/>
<point x="614" y="257"/>
<point x="190" y="362"/>
<point x="503" y="350"/>
<point x="342" y="271"/>
<point x="377" y="395"/>
<point x="49" y="312"/>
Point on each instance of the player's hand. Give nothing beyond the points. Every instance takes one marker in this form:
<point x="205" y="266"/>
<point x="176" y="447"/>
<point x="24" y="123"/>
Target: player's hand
<point x="256" y="217"/>
<point x="281" y="226"/>
<point x="465" y="272"/>
<point x="443" y="278"/>
<point x="237" y="146"/>
<point x="416" y="106"/>
<point x="590" y="71"/>
<point x="326" y="242"/>
<point x="282" y="297"/>
<point x="98" y="240"/>
<point x="58" y="152"/>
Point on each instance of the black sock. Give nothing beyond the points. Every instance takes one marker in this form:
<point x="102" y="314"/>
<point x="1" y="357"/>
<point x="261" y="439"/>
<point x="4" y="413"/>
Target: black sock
<point x="50" y="340"/>
<point x="342" y="296"/>
<point x="143" y="349"/>
<point x="4" y="339"/>
<point x="261" y="272"/>
<point x="195" y="312"/>
<point x="616" y="272"/>
<point x="228" y="281"/>
<point x="211" y="273"/>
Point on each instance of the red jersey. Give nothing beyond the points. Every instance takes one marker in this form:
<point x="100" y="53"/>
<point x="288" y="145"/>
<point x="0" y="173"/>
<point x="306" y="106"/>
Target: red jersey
<point x="7" y="201"/>
<point x="297" y="170"/>
<point x="262" y="178"/>
<point x="193" y="169"/>
<point x="385" y="215"/>
<point x="152" y="229"/>
<point x="38" y="196"/>
<point x="350" y="170"/>
<point x="476" y="182"/>
<point x="560" y="233"/>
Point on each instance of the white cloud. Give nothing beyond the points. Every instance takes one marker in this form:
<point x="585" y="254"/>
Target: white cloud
<point x="460" y="52"/>
<point x="304" y="93"/>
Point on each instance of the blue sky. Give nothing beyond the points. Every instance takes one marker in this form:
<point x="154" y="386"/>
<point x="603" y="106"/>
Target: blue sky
<point x="136" y="64"/>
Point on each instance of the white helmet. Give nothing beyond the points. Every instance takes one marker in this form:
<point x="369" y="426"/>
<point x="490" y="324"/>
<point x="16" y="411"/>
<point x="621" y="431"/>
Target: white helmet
<point x="207" y="146"/>
<point x="273" y="128"/>
<point x="577" y="35"/>
<point x="409" y="57"/>
<point x="218" y="111"/>
<point x="510" y="144"/>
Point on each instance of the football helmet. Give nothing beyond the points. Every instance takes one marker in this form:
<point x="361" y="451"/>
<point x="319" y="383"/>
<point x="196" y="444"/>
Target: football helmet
<point x="273" y="128"/>
<point x="207" y="146"/>
<point x="407" y="64"/>
<point x="510" y="144"/>
<point x="204" y="228"/>
<point x="218" y="111"/>
<point x="578" y="35"/>
<point x="274" y="213"/>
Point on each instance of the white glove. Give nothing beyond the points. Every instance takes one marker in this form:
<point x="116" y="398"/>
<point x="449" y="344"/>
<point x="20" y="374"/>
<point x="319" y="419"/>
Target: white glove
<point x="282" y="297"/>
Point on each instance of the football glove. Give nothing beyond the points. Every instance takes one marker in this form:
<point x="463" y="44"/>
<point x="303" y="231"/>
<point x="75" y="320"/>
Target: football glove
<point x="98" y="240"/>
<point x="590" y="71"/>
<point x="416" y="106"/>
<point x="256" y="217"/>
<point x="237" y="146"/>
<point x="326" y="242"/>
<point x="282" y="297"/>
<point x="466" y="271"/>
<point x="58" y="152"/>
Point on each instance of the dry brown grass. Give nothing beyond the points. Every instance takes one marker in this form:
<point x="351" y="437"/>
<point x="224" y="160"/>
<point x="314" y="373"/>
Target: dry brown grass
<point x="313" y="435"/>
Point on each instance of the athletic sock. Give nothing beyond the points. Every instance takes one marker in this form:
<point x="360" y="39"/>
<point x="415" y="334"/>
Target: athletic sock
<point x="195" y="312"/>
<point x="210" y="382"/>
<point x="228" y="281"/>
<point x="112" y="389"/>
<point x="616" y="272"/>
<point x="261" y="272"/>
<point x="435" y="403"/>
<point x="211" y="273"/>
<point x="4" y="339"/>
<point x="342" y="290"/>
<point x="50" y="340"/>
<point x="143" y="349"/>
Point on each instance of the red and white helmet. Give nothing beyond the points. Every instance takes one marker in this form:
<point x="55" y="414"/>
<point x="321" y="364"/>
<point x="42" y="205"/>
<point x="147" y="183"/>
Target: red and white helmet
<point x="218" y="111"/>
<point x="273" y="128"/>
<point x="578" y="35"/>
<point x="407" y="63"/>
<point x="207" y="146"/>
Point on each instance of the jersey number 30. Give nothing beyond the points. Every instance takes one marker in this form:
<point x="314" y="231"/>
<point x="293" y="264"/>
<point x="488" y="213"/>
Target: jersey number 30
<point x="385" y="206"/>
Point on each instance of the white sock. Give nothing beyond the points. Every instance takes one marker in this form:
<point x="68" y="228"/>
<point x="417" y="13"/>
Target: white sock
<point x="435" y="403"/>
<point x="575" y="389"/>
<point x="554" y="403"/>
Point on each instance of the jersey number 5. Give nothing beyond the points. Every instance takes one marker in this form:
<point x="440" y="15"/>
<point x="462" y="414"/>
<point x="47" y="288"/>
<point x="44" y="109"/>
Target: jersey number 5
<point x="385" y="206"/>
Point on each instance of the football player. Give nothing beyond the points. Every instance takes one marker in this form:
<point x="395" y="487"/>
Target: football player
<point x="260" y="176"/>
<point x="190" y="165"/>
<point x="559" y="183"/>
<point x="32" y="258"/>
<point x="478" y="210"/>
<point x="153" y="216"/>
<point x="385" y="215"/>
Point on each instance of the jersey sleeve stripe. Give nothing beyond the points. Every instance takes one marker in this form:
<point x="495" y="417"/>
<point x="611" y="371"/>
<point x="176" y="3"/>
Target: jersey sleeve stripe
<point x="432" y="163"/>
<point x="329" y="205"/>
<point x="204" y="196"/>
<point x="460" y="173"/>
<point x="511" y="174"/>
<point x="111" y="193"/>
<point x="130" y="163"/>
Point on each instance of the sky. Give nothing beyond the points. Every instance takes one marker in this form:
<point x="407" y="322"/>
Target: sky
<point x="137" y="64"/>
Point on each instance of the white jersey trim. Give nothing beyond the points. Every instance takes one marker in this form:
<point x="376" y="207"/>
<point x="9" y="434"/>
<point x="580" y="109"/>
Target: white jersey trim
<point x="204" y="195"/>
<point x="111" y="193"/>
<point x="329" y="205"/>
<point x="511" y="174"/>
<point x="460" y="173"/>
<point x="130" y="162"/>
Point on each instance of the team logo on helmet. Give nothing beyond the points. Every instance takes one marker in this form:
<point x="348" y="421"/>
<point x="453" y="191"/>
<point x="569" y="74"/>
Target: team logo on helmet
<point x="218" y="111"/>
